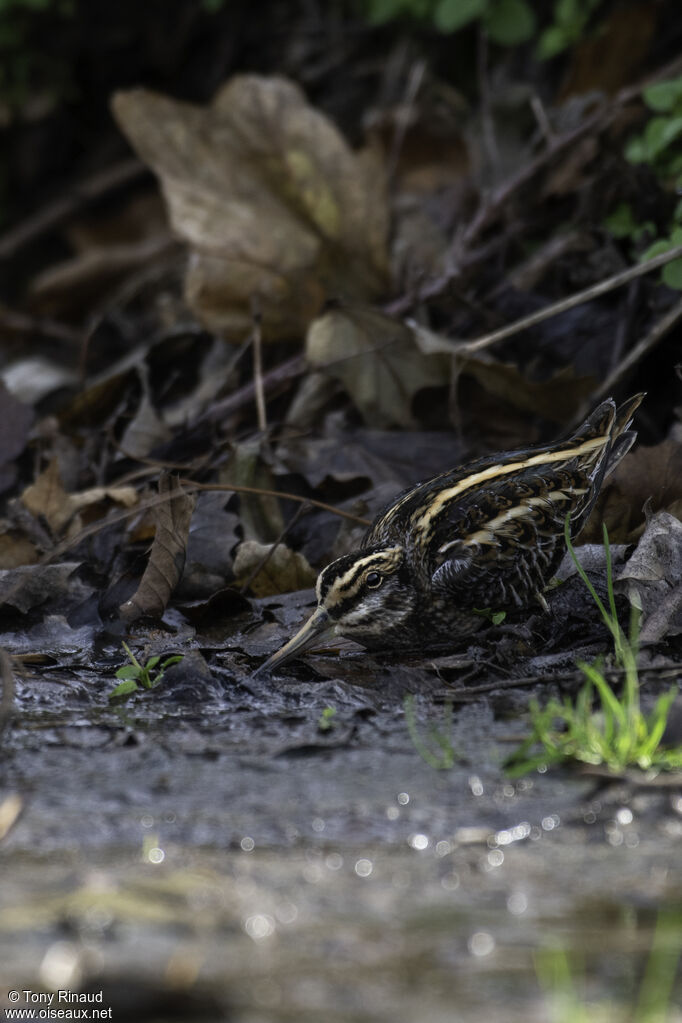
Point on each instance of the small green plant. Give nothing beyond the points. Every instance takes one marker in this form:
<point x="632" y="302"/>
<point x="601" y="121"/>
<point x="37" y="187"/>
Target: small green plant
<point x="616" y="734"/>
<point x="571" y="18"/>
<point x="659" y="143"/>
<point x="507" y="22"/>
<point x="325" y="722"/>
<point x="622" y="224"/>
<point x="557" y="977"/>
<point x="138" y="676"/>
<point x="659" y="146"/>
<point x="437" y="751"/>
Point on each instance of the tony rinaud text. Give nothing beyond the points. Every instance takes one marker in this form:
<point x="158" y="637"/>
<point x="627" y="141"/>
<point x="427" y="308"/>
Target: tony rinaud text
<point x="50" y="997"/>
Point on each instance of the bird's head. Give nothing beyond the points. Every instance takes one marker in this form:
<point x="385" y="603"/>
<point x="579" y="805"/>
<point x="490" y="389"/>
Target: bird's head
<point x="363" y="596"/>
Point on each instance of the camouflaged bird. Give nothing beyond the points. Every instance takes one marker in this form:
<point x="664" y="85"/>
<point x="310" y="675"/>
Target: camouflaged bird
<point x="486" y="535"/>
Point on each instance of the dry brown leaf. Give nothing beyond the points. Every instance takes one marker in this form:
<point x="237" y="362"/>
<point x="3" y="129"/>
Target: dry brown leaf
<point x="651" y="475"/>
<point x="278" y="571"/>
<point x="377" y="361"/>
<point x="167" y="556"/>
<point x="653" y="578"/>
<point x="278" y="210"/>
<point x="15" y="548"/>
<point x="47" y="498"/>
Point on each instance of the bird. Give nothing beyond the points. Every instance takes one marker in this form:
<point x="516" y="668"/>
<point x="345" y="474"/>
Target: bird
<point x="485" y="536"/>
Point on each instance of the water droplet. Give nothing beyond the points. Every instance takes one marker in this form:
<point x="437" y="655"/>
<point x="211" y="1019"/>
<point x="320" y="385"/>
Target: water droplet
<point x="403" y="798"/>
<point x="517" y="903"/>
<point x="363" y="868"/>
<point x="259" y="926"/>
<point x="476" y="785"/>
<point x="418" y="841"/>
<point x="481" y="943"/>
<point x="247" y="843"/>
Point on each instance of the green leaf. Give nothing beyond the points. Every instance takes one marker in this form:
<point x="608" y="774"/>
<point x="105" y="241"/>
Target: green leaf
<point x="151" y="663"/>
<point x="635" y="151"/>
<point x="451" y="15"/>
<point x="672" y="274"/>
<point x="510" y="22"/>
<point x="656" y="249"/>
<point x="175" y="659"/>
<point x="552" y="42"/>
<point x="124" y="689"/>
<point x="621" y="222"/>
<point x="128" y="671"/>
<point x="663" y="96"/>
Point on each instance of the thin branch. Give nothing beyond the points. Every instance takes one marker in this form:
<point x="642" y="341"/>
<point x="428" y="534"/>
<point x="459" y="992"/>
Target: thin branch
<point x="152" y="502"/>
<point x="636" y="354"/>
<point x="257" y="336"/>
<point x="7" y="700"/>
<point x="233" y="488"/>
<point x="579" y="298"/>
<point x="52" y="215"/>
<point x="273" y="547"/>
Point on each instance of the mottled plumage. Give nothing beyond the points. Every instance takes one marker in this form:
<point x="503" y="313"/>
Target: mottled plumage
<point x="489" y="534"/>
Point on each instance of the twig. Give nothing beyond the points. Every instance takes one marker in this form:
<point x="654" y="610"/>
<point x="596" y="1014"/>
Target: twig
<point x="414" y="82"/>
<point x="259" y="390"/>
<point x="273" y="547"/>
<point x="123" y="516"/>
<point x="7" y="700"/>
<point x="648" y="342"/>
<point x="492" y="205"/>
<point x="21" y="323"/>
<point x="580" y="297"/>
<point x="281" y="374"/>
<point x="233" y="488"/>
<point x="599" y="120"/>
<point x="487" y="124"/>
<point x="540" y="114"/>
<point x="50" y="216"/>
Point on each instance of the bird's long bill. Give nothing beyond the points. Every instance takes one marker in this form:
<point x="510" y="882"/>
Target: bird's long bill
<point x="317" y="626"/>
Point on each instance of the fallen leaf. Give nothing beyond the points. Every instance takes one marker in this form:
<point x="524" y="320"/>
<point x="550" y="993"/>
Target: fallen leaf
<point x="167" y="556"/>
<point x="278" y="210"/>
<point x="146" y="430"/>
<point x="260" y="514"/>
<point x="15" y="548"/>
<point x="646" y="476"/>
<point x="47" y="498"/>
<point x="268" y="571"/>
<point x="30" y="585"/>
<point x="377" y="360"/>
<point x="652" y="578"/>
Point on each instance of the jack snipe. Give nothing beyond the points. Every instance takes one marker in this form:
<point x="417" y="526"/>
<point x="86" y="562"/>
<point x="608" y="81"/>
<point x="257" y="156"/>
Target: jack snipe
<point x="489" y="534"/>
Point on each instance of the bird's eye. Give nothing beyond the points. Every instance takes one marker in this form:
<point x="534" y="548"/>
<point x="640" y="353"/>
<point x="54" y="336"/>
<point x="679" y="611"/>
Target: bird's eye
<point x="374" y="580"/>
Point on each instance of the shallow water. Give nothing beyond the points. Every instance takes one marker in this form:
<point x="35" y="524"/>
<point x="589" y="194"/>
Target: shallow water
<point x="207" y="847"/>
